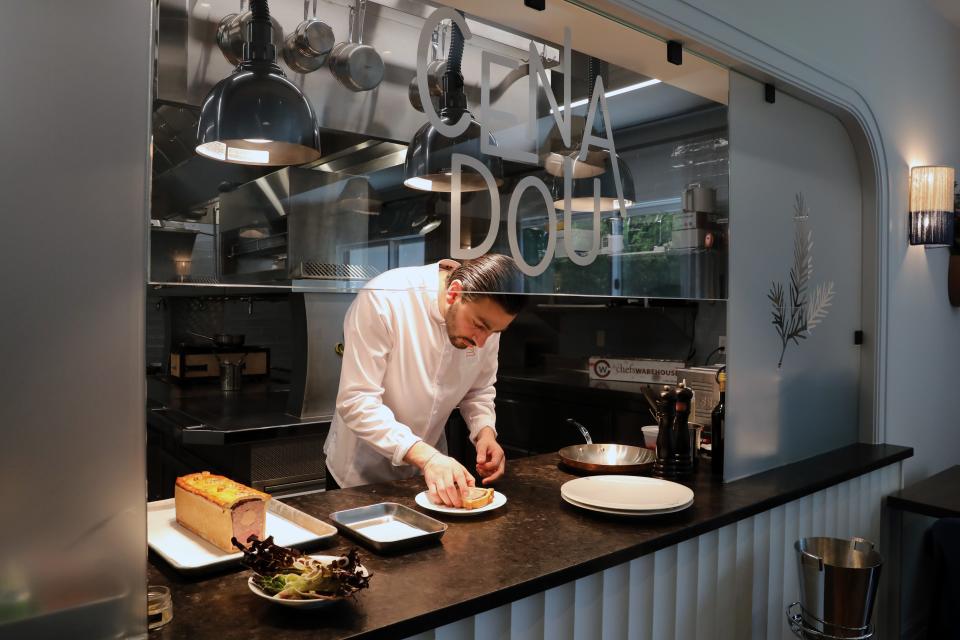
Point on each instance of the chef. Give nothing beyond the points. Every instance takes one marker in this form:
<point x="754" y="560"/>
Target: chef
<point x="418" y="342"/>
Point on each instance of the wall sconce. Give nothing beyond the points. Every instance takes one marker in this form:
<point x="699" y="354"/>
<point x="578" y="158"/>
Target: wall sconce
<point x="931" y="206"/>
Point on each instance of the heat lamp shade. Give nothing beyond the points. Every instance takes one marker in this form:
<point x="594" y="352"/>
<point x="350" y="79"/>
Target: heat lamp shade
<point x="582" y="198"/>
<point x="257" y="116"/>
<point x="429" y="161"/>
<point x="931" y="206"/>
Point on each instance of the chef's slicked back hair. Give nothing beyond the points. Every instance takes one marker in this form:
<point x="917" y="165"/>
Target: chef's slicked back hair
<point x="493" y="275"/>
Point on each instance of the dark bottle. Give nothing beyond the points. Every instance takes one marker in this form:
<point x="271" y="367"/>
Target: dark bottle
<point x="717" y="428"/>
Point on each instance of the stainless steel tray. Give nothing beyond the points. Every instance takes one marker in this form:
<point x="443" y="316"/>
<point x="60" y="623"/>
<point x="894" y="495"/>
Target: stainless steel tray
<point x="388" y="526"/>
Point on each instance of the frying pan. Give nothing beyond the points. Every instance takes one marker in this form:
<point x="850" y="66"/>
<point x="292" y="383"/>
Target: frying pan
<point x="222" y="339"/>
<point x="606" y="458"/>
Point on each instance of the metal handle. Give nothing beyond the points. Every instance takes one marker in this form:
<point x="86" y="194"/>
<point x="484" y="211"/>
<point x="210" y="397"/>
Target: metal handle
<point x="200" y="335"/>
<point x="361" y="14"/>
<point x="583" y="430"/>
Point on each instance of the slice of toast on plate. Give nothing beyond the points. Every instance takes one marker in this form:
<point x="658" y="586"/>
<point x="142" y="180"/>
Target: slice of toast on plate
<point x="477" y="497"/>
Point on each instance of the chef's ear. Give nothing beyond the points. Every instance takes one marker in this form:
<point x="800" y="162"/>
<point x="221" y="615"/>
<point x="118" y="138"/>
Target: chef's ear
<point x="454" y="290"/>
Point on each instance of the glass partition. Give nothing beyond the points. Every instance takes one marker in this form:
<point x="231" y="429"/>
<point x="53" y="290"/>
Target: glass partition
<point x="569" y="144"/>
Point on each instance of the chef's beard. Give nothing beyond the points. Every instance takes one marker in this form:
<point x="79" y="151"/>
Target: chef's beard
<point x="460" y="342"/>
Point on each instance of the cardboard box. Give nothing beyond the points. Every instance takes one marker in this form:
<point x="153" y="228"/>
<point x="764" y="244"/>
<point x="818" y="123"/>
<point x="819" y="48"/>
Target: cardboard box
<point x="634" y="370"/>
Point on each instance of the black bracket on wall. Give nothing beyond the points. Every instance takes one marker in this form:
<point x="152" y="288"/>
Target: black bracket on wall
<point x="858" y="337"/>
<point x="953" y="266"/>
<point x="769" y="93"/>
<point x="539" y="5"/>
<point x="674" y="52"/>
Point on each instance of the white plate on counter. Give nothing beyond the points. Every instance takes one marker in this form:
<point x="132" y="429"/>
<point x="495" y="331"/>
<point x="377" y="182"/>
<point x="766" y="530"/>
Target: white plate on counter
<point x="186" y="551"/>
<point x="627" y="493"/>
<point x="623" y="512"/>
<point x="315" y="603"/>
<point x="423" y="500"/>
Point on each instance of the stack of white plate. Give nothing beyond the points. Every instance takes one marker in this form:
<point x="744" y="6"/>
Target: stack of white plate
<point x="627" y="495"/>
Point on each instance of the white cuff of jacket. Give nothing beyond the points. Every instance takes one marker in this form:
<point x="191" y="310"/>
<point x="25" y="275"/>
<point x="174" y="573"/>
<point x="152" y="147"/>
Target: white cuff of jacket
<point x="404" y="443"/>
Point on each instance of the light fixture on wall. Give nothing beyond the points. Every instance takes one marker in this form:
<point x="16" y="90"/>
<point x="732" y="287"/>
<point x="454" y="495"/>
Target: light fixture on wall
<point x="256" y="115"/>
<point x="428" y="165"/>
<point x="931" y="206"/>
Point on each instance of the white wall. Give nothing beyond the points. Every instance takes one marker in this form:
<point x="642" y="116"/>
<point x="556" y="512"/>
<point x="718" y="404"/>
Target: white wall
<point x="900" y="60"/>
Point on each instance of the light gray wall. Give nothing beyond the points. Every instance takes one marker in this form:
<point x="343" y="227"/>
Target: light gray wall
<point x="793" y="401"/>
<point x="876" y="58"/>
<point x="73" y="167"/>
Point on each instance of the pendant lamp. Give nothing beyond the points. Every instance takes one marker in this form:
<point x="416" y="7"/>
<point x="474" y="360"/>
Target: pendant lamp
<point x="256" y="115"/>
<point x="428" y="166"/>
<point x="597" y="164"/>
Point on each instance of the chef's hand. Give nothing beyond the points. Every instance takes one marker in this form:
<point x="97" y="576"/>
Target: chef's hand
<point x="491" y="461"/>
<point x="446" y="478"/>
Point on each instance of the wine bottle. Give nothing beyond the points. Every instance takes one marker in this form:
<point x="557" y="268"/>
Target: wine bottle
<point x="717" y="428"/>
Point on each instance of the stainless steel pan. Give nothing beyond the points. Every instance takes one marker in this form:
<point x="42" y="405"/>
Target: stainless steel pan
<point x="357" y="66"/>
<point x="606" y="458"/>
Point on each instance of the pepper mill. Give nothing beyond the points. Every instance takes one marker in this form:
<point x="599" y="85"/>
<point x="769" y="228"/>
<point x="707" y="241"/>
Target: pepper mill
<point x="682" y="455"/>
<point x="666" y="408"/>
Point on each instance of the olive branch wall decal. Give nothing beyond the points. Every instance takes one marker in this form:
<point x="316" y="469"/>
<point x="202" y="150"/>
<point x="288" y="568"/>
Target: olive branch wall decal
<point x="796" y="317"/>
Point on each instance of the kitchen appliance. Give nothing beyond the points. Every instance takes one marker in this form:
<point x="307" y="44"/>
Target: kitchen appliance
<point x="202" y="362"/>
<point x="256" y="115"/>
<point x="295" y="224"/>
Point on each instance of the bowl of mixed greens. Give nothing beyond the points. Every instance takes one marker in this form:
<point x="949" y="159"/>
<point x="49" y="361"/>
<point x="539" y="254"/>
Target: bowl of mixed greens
<point x="288" y="577"/>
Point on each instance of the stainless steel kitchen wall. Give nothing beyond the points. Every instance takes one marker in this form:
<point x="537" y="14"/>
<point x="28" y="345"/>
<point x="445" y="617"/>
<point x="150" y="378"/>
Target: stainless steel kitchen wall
<point x="74" y="121"/>
<point x="795" y="282"/>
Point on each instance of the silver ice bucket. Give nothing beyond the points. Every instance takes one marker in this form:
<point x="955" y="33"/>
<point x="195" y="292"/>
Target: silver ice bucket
<point x="838" y="586"/>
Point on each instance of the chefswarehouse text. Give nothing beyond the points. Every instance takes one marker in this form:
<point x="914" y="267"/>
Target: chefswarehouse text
<point x="563" y="117"/>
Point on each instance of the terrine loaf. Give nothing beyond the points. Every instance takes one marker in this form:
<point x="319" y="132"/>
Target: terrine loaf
<point x="218" y="509"/>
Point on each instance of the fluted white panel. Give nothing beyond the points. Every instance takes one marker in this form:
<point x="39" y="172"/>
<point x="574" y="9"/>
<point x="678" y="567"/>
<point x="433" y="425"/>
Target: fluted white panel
<point x="588" y="608"/>
<point x="493" y="624"/>
<point x="664" y="593"/>
<point x="616" y="602"/>
<point x="526" y="617"/>
<point x="640" y="624"/>
<point x="707" y="549"/>
<point x="685" y="611"/>
<point x="558" y="612"/>
<point x="732" y="583"/>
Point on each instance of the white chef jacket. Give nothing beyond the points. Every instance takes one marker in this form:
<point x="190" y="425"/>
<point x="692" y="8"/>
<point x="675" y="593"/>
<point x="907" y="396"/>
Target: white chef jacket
<point x="401" y="378"/>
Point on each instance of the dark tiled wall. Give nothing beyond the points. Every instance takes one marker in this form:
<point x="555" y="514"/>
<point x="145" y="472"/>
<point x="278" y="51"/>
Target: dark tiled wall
<point x="566" y="336"/>
<point x="265" y="323"/>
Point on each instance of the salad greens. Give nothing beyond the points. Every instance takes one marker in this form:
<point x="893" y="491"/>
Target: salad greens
<point x="288" y="573"/>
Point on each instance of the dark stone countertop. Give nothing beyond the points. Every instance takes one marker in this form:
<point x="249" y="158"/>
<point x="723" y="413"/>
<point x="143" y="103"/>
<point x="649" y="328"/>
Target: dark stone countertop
<point x="534" y="542"/>
<point x="938" y="496"/>
<point x="203" y="414"/>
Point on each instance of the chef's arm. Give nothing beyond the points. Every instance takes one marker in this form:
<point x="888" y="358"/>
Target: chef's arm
<point x="368" y="340"/>
<point x="477" y="406"/>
